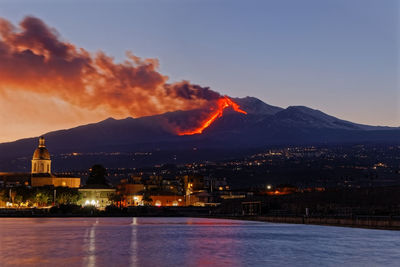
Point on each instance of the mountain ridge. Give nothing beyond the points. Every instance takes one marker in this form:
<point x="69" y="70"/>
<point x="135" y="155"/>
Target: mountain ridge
<point x="263" y="125"/>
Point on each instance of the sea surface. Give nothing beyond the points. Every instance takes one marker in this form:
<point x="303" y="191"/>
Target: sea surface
<point x="189" y="242"/>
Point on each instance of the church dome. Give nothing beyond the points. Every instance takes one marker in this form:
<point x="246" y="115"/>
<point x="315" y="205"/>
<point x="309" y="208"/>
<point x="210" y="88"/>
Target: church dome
<point x="41" y="153"/>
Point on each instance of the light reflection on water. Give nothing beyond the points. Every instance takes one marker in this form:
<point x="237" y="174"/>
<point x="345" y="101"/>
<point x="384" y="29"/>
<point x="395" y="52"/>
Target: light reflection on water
<point x="189" y="242"/>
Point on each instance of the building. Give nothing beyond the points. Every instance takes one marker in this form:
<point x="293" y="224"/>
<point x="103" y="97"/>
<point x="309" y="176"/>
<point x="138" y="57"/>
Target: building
<point x="54" y="180"/>
<point x="130" y="193"/>
<point x="167" y="200"/>
<point x="159" y="200"/>
<point x="96" y="195"/>
<point x="41" y="174"/>
<point x="13" y="179"/>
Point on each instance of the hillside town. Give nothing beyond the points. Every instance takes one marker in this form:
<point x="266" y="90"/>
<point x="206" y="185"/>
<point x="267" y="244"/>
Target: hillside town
<point x="333" y="183"/>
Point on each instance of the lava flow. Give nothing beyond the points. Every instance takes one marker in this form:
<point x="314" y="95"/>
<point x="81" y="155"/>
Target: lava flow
<point x="222" y="104"/>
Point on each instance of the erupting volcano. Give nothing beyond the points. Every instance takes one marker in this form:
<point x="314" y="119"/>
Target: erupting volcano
<point x="36" y="63"/>
<point x="222" y="104"/>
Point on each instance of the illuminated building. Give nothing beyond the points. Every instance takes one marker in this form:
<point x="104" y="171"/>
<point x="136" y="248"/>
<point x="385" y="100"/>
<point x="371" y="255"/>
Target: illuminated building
<point x="195" y="191"/>
<point x="41" y="162"/>
<point x="161" y="200"/>
<point x="130" y="193"/>
<point x="96" y="195"/>
<point x="165" y="200"/>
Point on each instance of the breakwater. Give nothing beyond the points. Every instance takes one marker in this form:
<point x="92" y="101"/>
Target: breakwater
<point x="371" y="222"/>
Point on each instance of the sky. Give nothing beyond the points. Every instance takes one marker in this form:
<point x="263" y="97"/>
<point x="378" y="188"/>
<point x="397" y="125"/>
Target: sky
<point x="338" y="56"/>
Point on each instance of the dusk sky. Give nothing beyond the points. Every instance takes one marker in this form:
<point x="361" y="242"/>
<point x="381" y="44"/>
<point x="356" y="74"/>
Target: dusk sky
<point x="341" y="56"/>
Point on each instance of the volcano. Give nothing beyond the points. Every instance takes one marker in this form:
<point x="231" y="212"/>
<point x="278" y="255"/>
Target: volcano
<point x="250" y="123"/>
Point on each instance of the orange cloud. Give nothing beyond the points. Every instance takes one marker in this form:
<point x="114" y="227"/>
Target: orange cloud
<point x="34" y="59"/>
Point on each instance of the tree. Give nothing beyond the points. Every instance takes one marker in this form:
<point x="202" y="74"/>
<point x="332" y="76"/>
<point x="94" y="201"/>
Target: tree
<point x="147" y="200"/>
<point x="97" y="175"/>
<point x="4" y="195"/>
<point x="115" y="198"/>
<point x="43" y="196"/>
<point x="65" y="195"/>
<point x="23" y="194"/>
<point x="18" y="199"/>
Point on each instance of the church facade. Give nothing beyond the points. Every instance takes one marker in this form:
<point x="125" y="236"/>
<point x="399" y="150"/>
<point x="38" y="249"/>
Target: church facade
<point x="41" y="162"/>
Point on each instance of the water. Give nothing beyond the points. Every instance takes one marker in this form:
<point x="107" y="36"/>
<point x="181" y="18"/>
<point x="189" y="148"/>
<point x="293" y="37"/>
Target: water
<point x="189" y="242"/>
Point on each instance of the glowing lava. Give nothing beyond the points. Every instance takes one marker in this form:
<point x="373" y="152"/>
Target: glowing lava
<point x="223" y="103"/>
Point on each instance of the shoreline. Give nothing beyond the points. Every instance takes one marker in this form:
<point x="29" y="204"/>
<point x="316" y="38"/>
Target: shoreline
<point x="370" y="222"/>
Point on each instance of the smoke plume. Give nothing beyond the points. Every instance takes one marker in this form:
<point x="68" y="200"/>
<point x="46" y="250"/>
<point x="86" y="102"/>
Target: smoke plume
<point x="34" y="59"/>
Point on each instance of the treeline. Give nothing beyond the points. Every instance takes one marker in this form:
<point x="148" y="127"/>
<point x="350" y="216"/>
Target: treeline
<point x="40" y="196"/>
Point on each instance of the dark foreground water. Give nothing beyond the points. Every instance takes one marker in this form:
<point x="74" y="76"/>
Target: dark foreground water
<point x="189" y="242"/>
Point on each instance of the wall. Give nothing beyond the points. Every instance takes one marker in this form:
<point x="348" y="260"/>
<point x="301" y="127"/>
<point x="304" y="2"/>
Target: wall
<point x="56" y="181"/>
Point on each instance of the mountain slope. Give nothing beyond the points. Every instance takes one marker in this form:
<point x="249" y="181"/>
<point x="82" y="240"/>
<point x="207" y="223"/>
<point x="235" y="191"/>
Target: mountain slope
<point x="314" y="118"/>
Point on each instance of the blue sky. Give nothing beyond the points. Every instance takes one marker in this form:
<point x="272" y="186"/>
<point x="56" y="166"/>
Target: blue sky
<point x="339" y="56"/>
